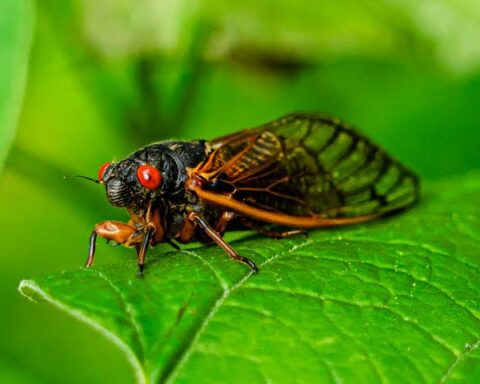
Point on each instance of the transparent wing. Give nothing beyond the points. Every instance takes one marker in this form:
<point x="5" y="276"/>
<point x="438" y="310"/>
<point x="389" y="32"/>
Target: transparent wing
<point x="309" y="165"/>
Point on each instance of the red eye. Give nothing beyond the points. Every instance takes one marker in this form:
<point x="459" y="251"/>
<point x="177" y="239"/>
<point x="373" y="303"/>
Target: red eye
<point x="150" y="177"/>
<point x="102" y="170"/>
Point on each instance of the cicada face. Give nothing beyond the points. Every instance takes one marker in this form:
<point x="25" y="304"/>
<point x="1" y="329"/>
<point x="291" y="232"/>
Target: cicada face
<point x="120" y="185"/>
<point x="134" y="182"/>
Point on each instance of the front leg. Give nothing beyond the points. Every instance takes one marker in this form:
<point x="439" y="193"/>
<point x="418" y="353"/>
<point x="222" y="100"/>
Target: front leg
<point x="142" y="248"/>
<point x="121" y="233"/>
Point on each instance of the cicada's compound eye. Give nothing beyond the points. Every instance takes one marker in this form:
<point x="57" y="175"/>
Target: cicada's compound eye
<point x="102" y="169"/>
<point x="149" y="176"/>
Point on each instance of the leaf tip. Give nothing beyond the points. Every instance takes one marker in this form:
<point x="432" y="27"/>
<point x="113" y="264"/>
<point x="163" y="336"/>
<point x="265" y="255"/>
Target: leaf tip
<point x="30" y="290"/>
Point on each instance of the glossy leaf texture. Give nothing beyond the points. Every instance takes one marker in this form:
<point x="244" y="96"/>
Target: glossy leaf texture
<point x="391" y="301"/>
<point x="16" y="25"/>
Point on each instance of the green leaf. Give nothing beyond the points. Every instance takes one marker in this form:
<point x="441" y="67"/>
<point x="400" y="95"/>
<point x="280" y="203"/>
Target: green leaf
<point x="391" y="301"/>
<point x="16" y="25"/>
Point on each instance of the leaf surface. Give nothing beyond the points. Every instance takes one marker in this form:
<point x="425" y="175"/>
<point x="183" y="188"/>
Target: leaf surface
<point x="390" y="301"/>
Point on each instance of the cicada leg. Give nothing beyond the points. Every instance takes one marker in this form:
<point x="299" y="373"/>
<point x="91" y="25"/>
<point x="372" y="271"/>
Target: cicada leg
<point x="173" y="244"/>
<point x="117" y="231"/>
<point x="142" y="249"/>
<point x="217" y="238"/>
<point x="223" y="221"/>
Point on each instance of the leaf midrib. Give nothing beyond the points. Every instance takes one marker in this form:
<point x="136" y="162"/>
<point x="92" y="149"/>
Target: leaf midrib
<point x="137" y="338"/>
<point x="172" y="370"/>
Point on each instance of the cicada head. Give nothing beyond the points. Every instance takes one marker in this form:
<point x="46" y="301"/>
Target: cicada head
<point x="154" y="173"/>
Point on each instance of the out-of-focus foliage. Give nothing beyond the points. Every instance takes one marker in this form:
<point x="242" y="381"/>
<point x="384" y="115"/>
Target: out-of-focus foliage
<point x="16" y="24"/>
<point x="107" y="76"/>
<point x="440" y="31"/>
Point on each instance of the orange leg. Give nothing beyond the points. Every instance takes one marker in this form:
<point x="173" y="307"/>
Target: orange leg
<point x="223" y="221"/>
<point x="117" y="231"/>
<point x="124" y="234"/>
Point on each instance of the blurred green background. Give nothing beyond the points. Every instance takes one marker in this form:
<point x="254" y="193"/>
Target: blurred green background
<point x="98" y="79"/>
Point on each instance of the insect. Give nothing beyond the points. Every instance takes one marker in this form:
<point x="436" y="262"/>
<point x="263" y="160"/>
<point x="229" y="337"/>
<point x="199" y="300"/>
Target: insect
<point x="300" y="171"/>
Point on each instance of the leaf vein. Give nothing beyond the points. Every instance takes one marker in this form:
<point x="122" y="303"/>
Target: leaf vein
<point x="221" y="281"/>
<point x="170" y="374"/>
<point x="313" y="295"/>
<point x="126" y="308"/>
<point x="469" y="349"/>
<point x="399" y="271"/>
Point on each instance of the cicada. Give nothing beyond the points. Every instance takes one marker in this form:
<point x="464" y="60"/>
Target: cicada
<point x="300" y="171"/>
